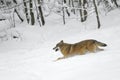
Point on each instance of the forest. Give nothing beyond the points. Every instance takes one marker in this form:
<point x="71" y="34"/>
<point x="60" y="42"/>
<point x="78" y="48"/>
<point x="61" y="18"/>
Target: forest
<point x="31" y="29"/>
<point x="36" y="11"/>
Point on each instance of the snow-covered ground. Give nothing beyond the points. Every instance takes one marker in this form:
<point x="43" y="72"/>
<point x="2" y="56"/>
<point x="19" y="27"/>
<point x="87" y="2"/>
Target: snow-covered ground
<point x="31" y="56"/>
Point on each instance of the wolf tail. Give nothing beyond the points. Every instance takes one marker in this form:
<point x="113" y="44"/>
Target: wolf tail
<point x="101" y="44"/>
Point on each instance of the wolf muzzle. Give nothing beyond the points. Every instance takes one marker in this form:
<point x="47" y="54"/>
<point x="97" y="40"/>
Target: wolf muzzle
<point x="55" y="48"/>
<point x="104" y="45"/>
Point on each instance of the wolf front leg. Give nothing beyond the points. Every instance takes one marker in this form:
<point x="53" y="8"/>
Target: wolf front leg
<point x="99" y="49"/>
<point x="60" y="58"/>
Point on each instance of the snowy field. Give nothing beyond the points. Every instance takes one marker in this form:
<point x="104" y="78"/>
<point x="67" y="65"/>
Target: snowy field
<point x="31" y="56"/>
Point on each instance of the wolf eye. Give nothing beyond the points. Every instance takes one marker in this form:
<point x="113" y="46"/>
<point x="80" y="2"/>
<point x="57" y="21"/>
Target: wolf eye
<point x="56" y="49"/>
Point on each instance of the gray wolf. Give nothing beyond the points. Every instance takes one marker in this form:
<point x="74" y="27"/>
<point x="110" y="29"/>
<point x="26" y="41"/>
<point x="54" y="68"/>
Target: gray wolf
<point x="79" y="48"/>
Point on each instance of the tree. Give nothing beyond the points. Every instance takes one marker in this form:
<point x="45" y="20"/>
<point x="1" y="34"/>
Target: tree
<point x="96" y="11"/>
<point x="41" y="12"/>
<point x="26" y="10"/>
<point x="31" y="13"/>
<point x="73" y="6"/>
<point x="17" y="12"/>
<point x="115" y="2"/>
<point x="63" y="10"/>
<point x="83" y="11"/>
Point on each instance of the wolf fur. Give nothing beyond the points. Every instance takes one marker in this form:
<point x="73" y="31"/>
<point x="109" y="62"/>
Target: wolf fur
<point x="79" y="48"/>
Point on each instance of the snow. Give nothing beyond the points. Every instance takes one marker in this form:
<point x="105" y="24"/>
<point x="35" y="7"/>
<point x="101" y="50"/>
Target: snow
<point x="31" y="57"/>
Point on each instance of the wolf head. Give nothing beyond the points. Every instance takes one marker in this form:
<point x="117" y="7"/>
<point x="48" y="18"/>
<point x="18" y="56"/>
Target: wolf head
<point x="56" y="48"/>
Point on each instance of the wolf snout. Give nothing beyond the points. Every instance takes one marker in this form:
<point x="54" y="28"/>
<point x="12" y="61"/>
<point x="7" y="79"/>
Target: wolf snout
<point x="104" y="45"/>
<point x="55" y="48"/>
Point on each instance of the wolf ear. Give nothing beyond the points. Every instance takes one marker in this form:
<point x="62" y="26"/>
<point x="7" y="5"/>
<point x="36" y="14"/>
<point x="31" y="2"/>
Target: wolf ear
<point x="61" y="41"/>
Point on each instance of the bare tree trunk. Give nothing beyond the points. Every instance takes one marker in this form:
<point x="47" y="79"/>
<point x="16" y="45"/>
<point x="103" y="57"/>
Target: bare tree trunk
<point x="38" y="16"/>
<point x="63" y="10"/>
<point x="41" y="12"/>
<point x="31" y="13"/>
<point x="97" y="16"/>
<point x="17" y="12"/>
<point x="66" y="9"/>
<point x="73" y="6"/>
<point x="115" y="3"/>
<point x="83" y="12"/>
<point x="26" y="11"/>
<point x="19" y="15"/>
<point x="15" y="1"/>
<point x="81" y="15"/>
<point x="63" y="15"/>
<point x="69" y="3"/>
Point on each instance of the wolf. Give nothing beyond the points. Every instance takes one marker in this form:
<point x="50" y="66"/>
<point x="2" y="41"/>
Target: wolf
<point x="79" y="48"/>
